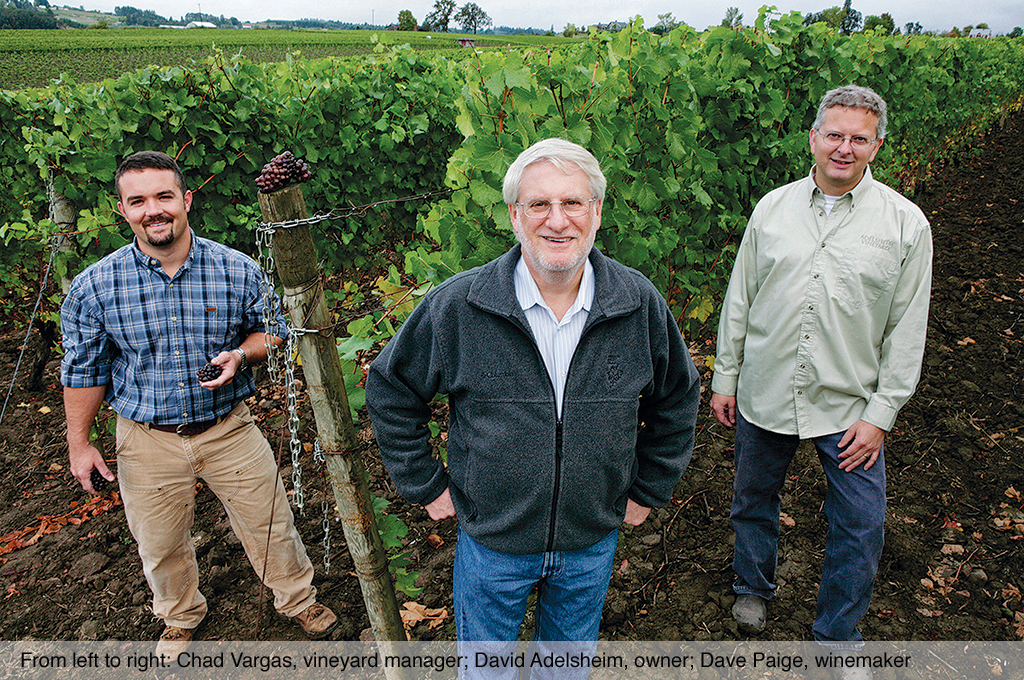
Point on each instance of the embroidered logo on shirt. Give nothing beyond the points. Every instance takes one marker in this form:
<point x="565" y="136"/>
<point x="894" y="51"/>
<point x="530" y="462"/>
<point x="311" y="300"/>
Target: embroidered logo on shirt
<point x="875" y="242"/>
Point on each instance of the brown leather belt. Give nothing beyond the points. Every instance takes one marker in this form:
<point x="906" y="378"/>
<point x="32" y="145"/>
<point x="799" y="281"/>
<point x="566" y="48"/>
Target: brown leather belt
<point x="185" y="429"/>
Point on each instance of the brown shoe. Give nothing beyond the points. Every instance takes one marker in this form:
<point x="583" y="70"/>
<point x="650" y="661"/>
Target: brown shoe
<point x="317" y="620"/>
<point x="173" y="641"/>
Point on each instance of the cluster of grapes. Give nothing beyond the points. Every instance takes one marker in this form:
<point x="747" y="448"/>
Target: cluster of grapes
<point x="99" y="482"/>
<point x="209" y="372"/>
<point x="282" y="170"/>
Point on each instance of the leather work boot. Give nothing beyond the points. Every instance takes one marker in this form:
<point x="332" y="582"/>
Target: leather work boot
<point x="173" y="641"/>
<point x="750" y="612"/>
<point x="317" y="620"/>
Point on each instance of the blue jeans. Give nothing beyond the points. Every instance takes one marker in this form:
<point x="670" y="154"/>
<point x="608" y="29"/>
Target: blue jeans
<point x="491" y="589"/>
<point x="854" y="508"/>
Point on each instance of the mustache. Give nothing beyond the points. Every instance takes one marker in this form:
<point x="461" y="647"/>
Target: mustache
<point x="163" y="217"/>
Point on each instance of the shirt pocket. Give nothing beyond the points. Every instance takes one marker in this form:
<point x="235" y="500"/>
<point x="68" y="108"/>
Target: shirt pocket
<point x="862" y="279"/>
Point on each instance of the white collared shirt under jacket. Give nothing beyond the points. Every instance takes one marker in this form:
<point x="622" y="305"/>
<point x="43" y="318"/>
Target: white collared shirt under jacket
<point x="556" y="339"/>
<point x="825" y="317"/>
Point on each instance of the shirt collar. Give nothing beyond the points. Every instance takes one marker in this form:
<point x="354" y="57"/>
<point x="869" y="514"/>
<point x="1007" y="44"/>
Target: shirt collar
<point x="528" y="292"/>
<point x="152" y="263"/>
<point x="856" y="194"/>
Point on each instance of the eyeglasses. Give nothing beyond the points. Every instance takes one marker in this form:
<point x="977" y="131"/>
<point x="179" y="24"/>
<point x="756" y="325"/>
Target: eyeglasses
<point x="574" y="206"/>
<point x="836" y="139"/>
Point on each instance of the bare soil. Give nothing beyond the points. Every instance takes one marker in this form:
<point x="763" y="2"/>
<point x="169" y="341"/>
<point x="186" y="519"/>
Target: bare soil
<point x="951" y="569"/>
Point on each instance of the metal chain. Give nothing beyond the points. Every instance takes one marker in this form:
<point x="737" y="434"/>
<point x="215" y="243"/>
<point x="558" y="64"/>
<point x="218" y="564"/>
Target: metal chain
<point x="265" y="253"/>
<point x="325" y="506"/>
<point x="293" y="421"/>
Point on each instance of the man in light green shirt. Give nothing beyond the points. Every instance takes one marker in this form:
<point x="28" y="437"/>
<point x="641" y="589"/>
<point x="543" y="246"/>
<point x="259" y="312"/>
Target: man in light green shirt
<point x="821" y="337"/>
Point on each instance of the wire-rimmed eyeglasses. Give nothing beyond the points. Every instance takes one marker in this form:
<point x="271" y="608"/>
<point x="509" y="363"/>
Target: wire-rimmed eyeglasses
<point x="836" y="139"/>
<point x="574" y="206"/>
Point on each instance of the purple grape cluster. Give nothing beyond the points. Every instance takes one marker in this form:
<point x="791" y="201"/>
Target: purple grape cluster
<point x="99" y="482"/>
<point x="209" y="372"/>
<point x="282" y="170"/>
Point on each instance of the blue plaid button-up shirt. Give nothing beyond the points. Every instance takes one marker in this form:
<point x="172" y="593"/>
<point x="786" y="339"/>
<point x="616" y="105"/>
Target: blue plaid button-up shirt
<point x="129" y="326"/>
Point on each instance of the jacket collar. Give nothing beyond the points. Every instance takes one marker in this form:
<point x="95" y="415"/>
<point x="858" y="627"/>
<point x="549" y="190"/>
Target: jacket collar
<point x="616" y="293"/>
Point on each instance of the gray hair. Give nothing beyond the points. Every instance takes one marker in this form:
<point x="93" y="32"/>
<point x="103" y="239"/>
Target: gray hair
<point x="564" y="155"/>
<point x="857" y="97"/>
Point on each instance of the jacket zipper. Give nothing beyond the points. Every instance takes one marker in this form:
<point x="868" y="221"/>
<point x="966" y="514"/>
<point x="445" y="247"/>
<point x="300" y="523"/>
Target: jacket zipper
<point x="558" y="481"/>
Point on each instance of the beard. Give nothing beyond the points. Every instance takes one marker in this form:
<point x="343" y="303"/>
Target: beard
<point x="161" y="241"/>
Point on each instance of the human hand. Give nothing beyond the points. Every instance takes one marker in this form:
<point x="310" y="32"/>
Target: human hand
<point x="82" y="461"/>
<point x="724" y="408"/>
<point x="441" y="507"/>
<point x="229" y="362"/>
<point x="636" y="514"/>
<point x="865" y="444"/>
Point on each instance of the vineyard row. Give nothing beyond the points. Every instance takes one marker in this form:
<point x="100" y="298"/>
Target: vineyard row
<point x="691" y="129"/>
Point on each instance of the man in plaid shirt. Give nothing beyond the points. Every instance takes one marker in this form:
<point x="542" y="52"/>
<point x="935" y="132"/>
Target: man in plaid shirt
<point x="138" y="325"/>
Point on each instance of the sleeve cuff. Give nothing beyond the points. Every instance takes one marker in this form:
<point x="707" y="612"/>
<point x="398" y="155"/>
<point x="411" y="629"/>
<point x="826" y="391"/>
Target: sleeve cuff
<point x="724" y="384"/>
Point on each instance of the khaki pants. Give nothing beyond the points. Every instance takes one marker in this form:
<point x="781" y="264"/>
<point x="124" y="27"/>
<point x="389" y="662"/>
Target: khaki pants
<point x="157" y="473"/>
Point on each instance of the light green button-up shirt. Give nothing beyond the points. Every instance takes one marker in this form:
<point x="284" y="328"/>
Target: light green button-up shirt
<point x="824" y="320"/>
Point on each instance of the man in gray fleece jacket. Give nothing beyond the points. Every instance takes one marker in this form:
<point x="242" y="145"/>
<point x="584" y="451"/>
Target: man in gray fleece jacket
<point x="572" y="405"/>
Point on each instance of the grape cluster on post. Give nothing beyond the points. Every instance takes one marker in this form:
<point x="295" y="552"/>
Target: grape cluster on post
<point x="282" y="170"/>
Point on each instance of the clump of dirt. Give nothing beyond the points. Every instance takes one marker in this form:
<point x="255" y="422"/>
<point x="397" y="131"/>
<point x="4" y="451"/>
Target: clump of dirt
<point x="954" y="528"/>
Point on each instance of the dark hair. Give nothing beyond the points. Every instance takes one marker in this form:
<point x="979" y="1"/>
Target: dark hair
<point x="146" y="160"/>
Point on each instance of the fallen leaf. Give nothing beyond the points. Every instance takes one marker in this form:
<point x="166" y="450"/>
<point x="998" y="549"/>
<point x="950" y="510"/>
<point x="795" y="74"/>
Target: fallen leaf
<point x="435" y="541"/>
<point x="1012" y="493"/>
<point x="966" y="341"/>
<point x="952" y="549"/>
<point x="45" y="409"/>
<point x="930" y="613"/>
<point x="414" y="613"/>
<point x="786" y="520"/>
<point x="57" y="467"/>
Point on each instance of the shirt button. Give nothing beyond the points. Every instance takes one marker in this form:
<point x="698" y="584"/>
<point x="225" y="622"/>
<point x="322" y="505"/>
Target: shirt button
<point x="154" y="262"/>
<point x="174" y="318"/>
<point x="816" y="275"/>
<point x="181" y="384"/>
<point x="807" y="337"/>
<point x="810" y="306"/>
<point x="177" y="353"/>
<point x="184" y="415"/>
<point x="821" y="214"/>
<point x="799" y="391"/>
<point x="822" y="245"/>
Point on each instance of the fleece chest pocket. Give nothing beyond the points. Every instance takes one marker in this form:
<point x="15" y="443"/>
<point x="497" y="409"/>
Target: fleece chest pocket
<point x="862" y="279"/>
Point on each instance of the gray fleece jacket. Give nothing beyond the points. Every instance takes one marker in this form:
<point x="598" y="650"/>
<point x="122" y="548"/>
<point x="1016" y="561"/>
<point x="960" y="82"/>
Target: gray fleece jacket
<point x="521" y="480"/>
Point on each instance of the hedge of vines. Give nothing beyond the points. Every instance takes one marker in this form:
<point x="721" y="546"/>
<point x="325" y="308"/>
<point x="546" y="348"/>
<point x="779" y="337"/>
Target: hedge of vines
<point x="691" y="129"/>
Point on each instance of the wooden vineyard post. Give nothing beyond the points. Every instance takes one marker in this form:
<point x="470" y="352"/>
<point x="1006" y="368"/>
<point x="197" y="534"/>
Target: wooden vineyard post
<point x="304" y="301"/>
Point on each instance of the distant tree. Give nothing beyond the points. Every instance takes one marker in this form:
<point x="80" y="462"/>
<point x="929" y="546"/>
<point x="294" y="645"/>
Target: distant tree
<point x="13" y="18"/>
<point x="667" y="22"/>
<point x="833" y="17"/>
<point x="883" y="24"/>
<point x="439" y="19"/>
<point x="139" y="17"/>
<point x="471" y="17"/>
<point x="851" y="20"/>
<point x="733" y="18"/>
<point x="570" y="31"/>
<point x="967" y="31"/>
<point x="406" y="21"/>
<point x="1016" y="32"/>
<point x="913" y="28"/>
<point x="42" y="3"/>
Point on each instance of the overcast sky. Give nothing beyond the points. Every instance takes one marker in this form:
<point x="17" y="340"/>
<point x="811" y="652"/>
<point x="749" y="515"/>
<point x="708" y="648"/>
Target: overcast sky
<point x="933" y="15"/>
